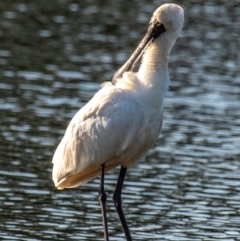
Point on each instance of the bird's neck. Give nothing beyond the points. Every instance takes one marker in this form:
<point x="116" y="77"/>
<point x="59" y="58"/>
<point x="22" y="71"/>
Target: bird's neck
<point x="156" y="56"/>
<point x="153" y="71"/>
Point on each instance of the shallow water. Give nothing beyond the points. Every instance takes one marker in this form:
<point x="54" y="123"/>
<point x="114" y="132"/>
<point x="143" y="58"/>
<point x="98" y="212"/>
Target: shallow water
<point x="53" y="58"/>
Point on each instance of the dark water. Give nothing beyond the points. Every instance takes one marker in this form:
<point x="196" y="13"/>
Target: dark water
<point x="53" y="57"/>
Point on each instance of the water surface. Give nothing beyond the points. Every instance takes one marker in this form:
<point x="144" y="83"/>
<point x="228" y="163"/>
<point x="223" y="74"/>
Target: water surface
<point x="53" y="58"/>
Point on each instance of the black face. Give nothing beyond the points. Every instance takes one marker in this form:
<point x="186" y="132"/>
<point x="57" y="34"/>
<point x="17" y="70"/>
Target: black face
<point x="155" y="29"/>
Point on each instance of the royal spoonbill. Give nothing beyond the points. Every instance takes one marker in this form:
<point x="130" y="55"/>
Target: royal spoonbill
<point x="123" y="120"/>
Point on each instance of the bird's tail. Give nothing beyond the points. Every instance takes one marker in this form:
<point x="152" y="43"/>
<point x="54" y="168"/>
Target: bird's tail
<point x="85" y="176"/>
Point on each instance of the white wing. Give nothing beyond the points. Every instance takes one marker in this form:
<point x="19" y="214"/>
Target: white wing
<point x="113" y="125"/>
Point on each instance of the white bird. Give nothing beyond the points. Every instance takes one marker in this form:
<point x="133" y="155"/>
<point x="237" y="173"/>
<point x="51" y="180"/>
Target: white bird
<point x="123" y="120"/>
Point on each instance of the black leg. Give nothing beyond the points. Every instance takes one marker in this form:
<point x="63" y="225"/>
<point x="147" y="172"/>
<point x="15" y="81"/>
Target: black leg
<point x="102" y="200"/>
<point x="118" y="202"/>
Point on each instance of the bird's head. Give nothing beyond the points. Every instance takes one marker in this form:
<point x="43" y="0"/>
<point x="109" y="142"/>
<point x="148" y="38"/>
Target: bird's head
<point x="170" y="16"/>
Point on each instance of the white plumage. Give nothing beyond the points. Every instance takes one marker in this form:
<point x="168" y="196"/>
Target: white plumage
<point x="122" y="121"/>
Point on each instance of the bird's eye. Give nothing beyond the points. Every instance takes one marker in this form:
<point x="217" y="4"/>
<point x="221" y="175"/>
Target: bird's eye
<point x="158" y="24"/>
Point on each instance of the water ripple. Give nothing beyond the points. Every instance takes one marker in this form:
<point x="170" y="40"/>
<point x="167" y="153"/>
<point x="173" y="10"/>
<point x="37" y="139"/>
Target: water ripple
<point x="53" y="59"/>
